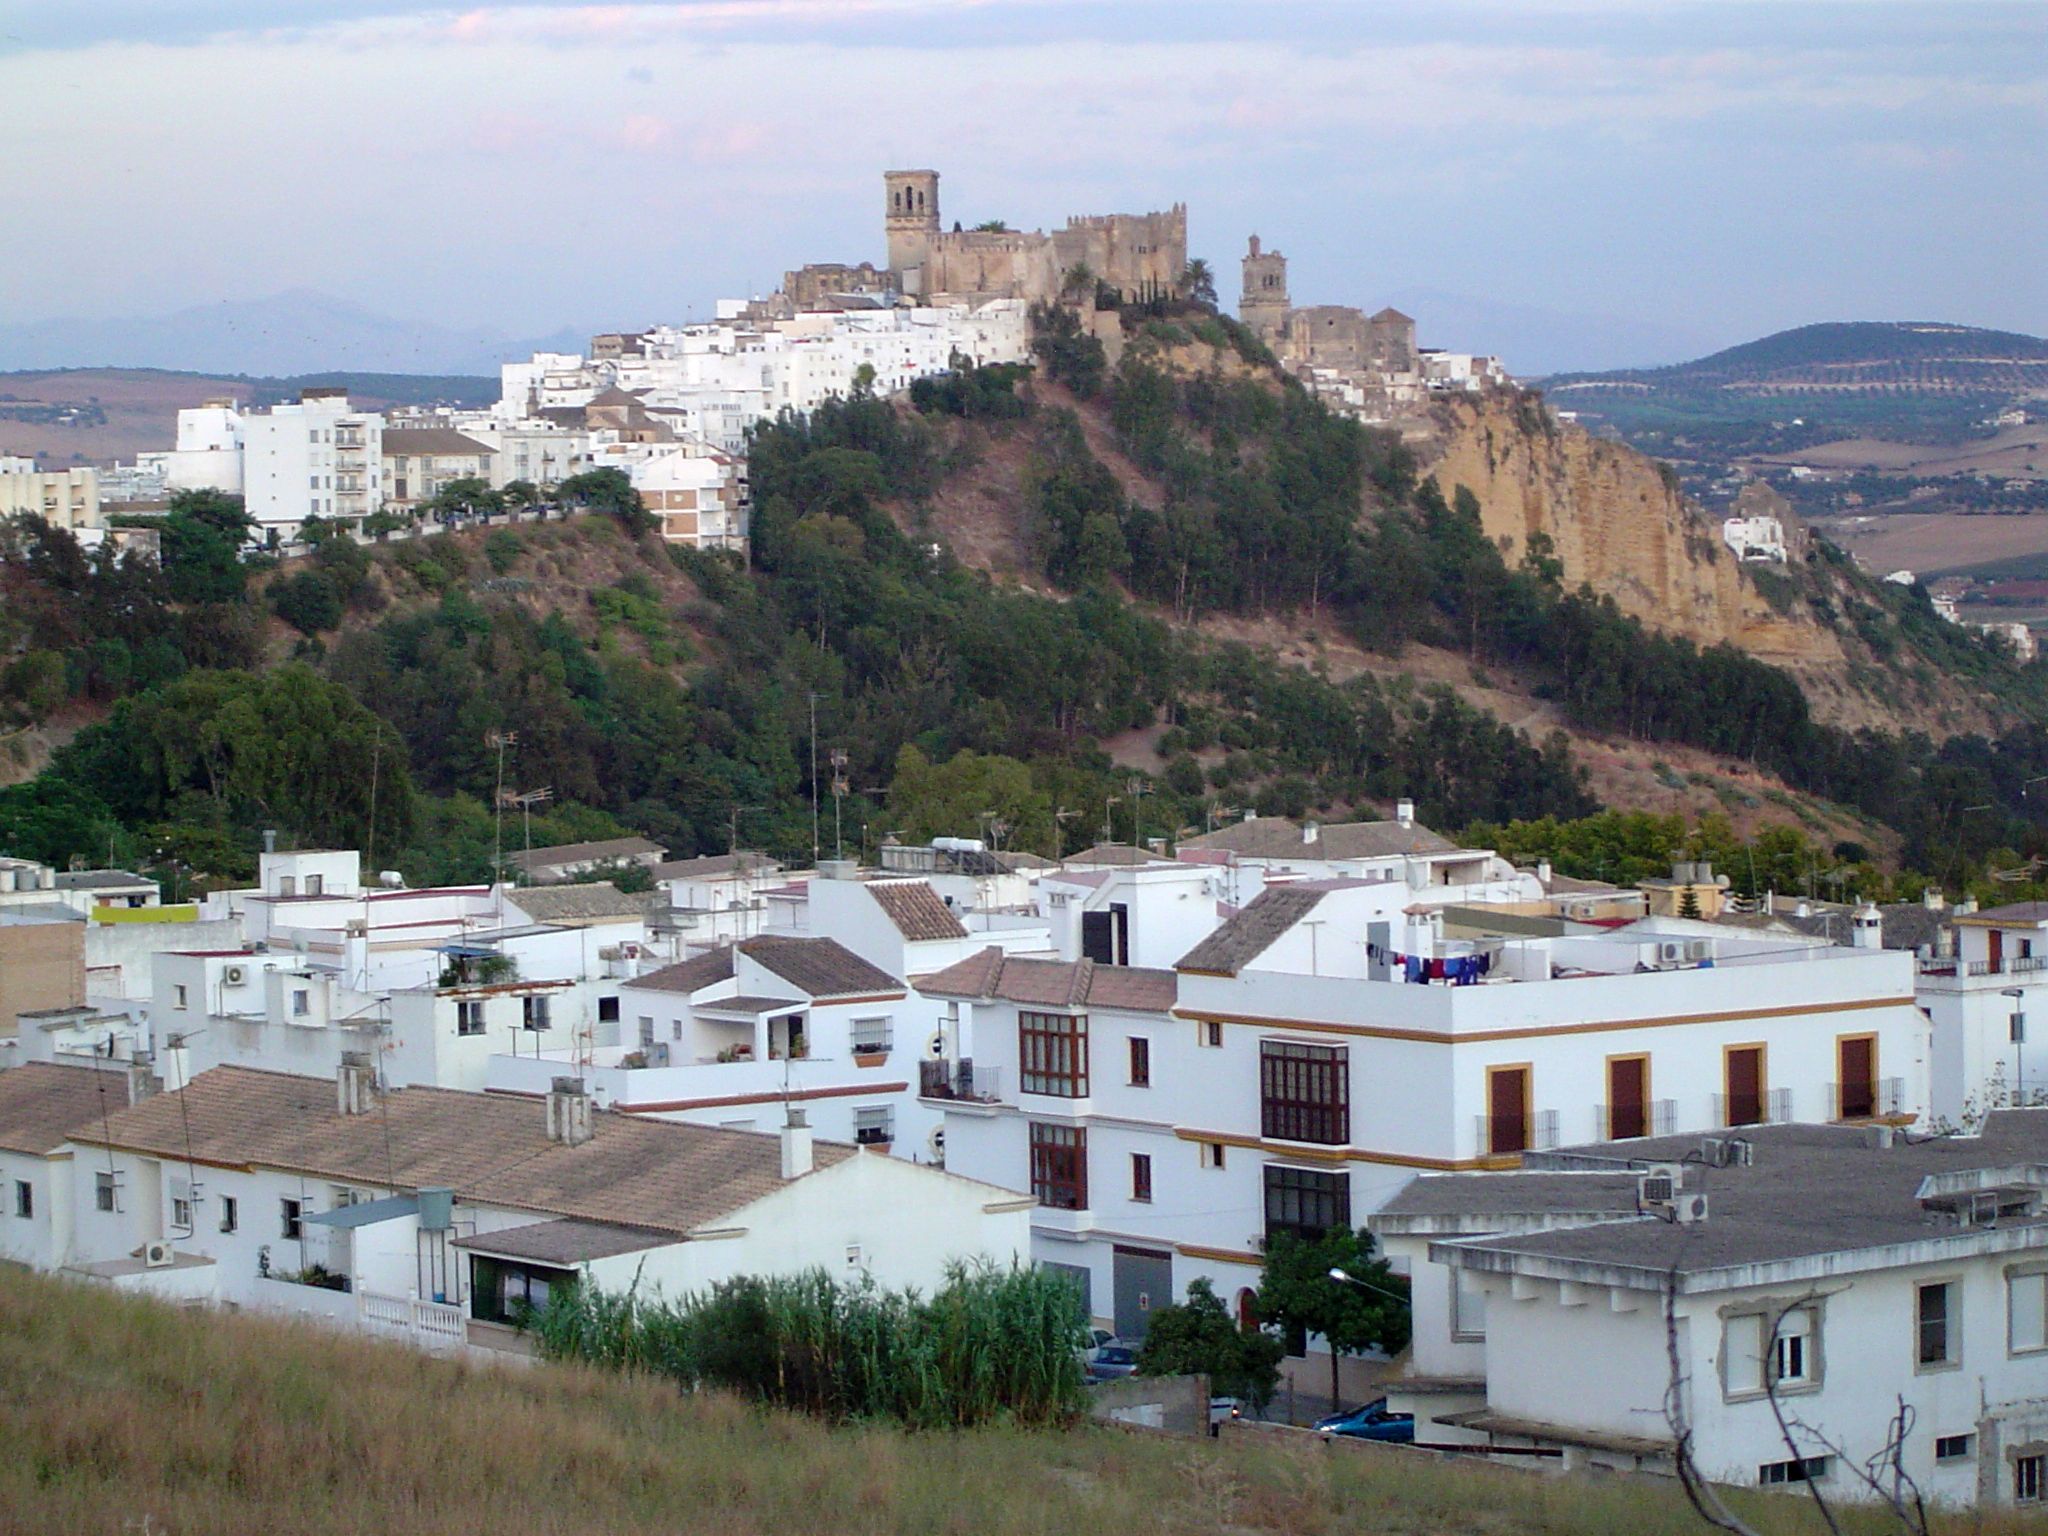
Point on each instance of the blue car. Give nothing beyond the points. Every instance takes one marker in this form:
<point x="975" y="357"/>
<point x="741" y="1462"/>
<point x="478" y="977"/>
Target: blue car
<point x="1373" y="1421"/>
<point x="1112" y="1362"/>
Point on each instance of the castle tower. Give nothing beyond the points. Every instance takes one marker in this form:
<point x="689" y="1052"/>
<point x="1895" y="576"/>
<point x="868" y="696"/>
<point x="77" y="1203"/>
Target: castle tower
<point x="1263" y="305"/>
<point x="910" y="222"/>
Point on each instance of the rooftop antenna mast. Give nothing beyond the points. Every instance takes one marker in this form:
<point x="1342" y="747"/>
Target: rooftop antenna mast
<point x="526" y="800"/>
<point x="499" y="741"/>
<point x="839" y="787"/>
<point x="815" y="844"/>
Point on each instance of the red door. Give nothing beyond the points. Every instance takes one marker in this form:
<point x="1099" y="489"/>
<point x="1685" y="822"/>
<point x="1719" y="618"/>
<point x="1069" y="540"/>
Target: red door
<point x="1997" y="950"/>
<point x="1628" y="1093"/>
<point x="1746" y="1085"/>
<point x="1507" y="1110"/>
<point x="1858" y="1068"/>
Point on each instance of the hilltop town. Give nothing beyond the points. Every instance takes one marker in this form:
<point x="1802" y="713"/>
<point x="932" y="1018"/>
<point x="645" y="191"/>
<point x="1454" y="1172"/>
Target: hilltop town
<point x="1308" y="1101"/>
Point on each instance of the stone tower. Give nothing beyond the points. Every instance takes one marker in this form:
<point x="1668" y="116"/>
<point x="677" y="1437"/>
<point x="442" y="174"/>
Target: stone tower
<point x="1263" y="304"/>
<point x="911" y="220"/>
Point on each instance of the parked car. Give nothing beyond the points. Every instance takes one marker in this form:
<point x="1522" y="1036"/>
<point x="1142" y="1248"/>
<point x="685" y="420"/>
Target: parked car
<point x="1372" y="1421"/>
<point x="1113" y="1361"/>
<point x="1222" y="1410"/>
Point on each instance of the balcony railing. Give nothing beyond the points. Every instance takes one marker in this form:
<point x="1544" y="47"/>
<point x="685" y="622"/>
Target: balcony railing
<point x="2005" y="965"/>
<point x="1659" y="1118"/>
<point x="1504" y="1135"/>
<point x="959" y="1080"/>
<point x="1867" y="1101"/>
<point x="1771" y="1108"/>
<point x="431" y="1324"/>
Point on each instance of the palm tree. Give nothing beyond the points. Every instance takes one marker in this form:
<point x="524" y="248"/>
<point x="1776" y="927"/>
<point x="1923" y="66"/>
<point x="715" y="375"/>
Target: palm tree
<point x="1198" y="283"/>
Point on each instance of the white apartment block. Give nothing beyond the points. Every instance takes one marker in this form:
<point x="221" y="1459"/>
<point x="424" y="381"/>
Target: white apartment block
<point x="316" y="458"/>
<point x="697" y="494"/>
<point x="1842" y="1269"/>
<point x="1334" y="1037"/>
<point x="63" y="498"/>
<point x="208" y="455"/>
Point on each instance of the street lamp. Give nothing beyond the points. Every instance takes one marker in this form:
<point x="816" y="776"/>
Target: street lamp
<point x="1344" y="1277"/>
<point x="2019" y="1041"/>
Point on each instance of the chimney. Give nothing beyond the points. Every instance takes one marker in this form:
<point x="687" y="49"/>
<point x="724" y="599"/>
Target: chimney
<point x="1404" y="813"/>
<point x="142" y="1083"/>
<point x="269" y="840"/>
<point x="796" y="1145"/>
<point x="838" y="869"/>
<point x="569" y="1112"/>
<point x="1932" y="899"/>
<point x="1866" y="928"/>
<point x="352" y="1083"/>
<point x="1311" y="832"/>
<point x="1543" y="872"/>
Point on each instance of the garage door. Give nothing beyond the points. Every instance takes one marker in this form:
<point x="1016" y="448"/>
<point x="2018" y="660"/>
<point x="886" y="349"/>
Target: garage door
<point x="1144" y="1283"/>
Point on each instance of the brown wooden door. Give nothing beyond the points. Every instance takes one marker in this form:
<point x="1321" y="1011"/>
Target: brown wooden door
<point x="1746" y="1085"/>
<point x="1628" y="1095"/>
<point x="1507" y="1110"/>
<point x="1857" y="1065"/>
<point x="1997" y="937"/>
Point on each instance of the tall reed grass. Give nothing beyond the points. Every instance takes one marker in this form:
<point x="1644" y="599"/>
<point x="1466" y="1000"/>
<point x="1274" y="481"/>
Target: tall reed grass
<point x="991" y="1345"/>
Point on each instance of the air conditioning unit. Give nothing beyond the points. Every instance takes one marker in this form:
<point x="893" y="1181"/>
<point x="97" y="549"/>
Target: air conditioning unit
<point x="1699" y="949"/>
<point x="1670" y="952"/>
<point x="157" y="1255"/>
<point x="233" y="975"/>
<point x="1741" y="1153"/>
<point x="1690" y="1209"/>
<point x="1654" y="1191"/>
<point x="1714" y="1152"/>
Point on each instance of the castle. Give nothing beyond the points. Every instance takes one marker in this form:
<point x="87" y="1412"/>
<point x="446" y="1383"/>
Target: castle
<point x="1137" y="255"/>
<point x="1334" y="336"/>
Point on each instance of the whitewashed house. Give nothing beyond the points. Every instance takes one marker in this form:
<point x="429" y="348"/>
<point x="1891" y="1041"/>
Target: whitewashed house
<point x="433" y="1215"/>
<point x="1842" y="1268"/>
<point x="41" y="1103"/>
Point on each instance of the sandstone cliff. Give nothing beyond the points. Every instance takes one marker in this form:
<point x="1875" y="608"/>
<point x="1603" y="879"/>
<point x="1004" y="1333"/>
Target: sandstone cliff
<point x="1619" y="524"/>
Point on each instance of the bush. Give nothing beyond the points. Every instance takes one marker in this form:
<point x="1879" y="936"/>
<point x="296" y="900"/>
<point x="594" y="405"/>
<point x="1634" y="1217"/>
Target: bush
<point x="502" y="550"/>
<point x="309" y="602"/>
<point x="989" y="1346"/>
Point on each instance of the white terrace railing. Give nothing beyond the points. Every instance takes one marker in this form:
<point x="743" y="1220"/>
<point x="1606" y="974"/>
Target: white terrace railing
<point x="430" y="1324"/>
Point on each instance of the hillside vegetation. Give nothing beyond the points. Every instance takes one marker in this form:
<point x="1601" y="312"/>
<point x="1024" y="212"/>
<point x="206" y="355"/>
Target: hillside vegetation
<point x="127" y="1415"/>
<point x="1016" y="602"/>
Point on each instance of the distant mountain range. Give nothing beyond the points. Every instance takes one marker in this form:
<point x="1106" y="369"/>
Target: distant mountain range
<point x="1533" y="340"/>
<point x="1905" y="380"/>
<point x="290" y="333"/>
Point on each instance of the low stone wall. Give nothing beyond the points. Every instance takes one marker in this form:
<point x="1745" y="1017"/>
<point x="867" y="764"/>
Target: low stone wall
<point x="1173" y="1405"/>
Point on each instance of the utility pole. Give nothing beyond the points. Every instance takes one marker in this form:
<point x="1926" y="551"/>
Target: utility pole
<point x="500" y="740"/>
<point x="815" y="846"/>
<point x="1138" y="788"/>
<point x="839" y="787"/>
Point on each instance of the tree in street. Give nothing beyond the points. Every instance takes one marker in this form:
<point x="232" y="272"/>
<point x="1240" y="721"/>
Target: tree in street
<point x="1299" y="1293"/>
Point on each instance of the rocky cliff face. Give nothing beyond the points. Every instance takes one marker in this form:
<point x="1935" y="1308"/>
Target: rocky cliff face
<point x="1619" y="525"/>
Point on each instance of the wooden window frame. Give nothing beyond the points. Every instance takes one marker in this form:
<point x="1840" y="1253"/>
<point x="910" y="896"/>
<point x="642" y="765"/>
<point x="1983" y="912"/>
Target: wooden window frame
<point x="1305" y="1093"/>
<point x="1649" y="1098"/>
<point x="1141" y="1061"/>
<point x="1059" y="1165"/>
<point x="1055" y="1036"/>
<point x="1141" y="1177"/>
<point x="1282" y="1179"/>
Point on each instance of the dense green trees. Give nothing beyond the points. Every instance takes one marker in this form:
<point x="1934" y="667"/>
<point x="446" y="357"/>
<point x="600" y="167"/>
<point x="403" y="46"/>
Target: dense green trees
<point x="1199" y="1336"/>
<point x="1299" y="1295"/>
<point x="203" y="534"/>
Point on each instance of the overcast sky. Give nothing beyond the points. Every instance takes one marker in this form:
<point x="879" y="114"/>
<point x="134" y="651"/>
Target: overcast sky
<point x="1704" y="173"/>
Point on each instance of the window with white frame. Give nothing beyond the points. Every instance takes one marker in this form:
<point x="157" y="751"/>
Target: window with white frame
<point x="2029" y="1478"/>
<point x="302" y="1002"/>
<point x="178" y="996"/>
<point x="1955" y="1447"/>
<point x="1803" y="1469"/>
<point x="874" y="1126"/>
<point x="24" y="1198"/>
<point x="2026" y="1306"/>
<point x="181" y="1213"/>
<point x="469" y="1017"/>
<point x="290" y="1223"/>
<point x="1790" y="1352"/>
<point x="534" y="1011"/>
<point x="873" y="1036"/>
<point x="103" y="1192"/>
<point x="230" y="1214"/>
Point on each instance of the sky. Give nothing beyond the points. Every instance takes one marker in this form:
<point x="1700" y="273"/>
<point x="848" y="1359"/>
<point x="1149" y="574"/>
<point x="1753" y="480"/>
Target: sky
<point x="1654" y="177"/>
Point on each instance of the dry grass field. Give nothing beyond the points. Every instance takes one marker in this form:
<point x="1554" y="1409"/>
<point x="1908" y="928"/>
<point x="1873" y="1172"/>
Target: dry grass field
<point x="1929" y="544"/>
<point x="127" y="1416"/>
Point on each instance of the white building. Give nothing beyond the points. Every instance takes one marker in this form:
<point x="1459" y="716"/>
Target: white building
<point x="63" y="498"/>
<point x="1843" y="1269"/>
<point x="431" y="1215"/>
<point x="731" y="1037"/>
<point x="1333" y="1037"/>
<point x="316" y="458"/>
<point x="208" y="455"/>
<point x="1755" y="538"/>
<point x="697" y="494"/>
<point x="420" y="461"/>
<point x="1980" y="1000"/>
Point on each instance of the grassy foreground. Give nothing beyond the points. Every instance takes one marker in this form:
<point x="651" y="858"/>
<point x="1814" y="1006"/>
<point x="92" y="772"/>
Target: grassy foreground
<point x="120" y="1415"/>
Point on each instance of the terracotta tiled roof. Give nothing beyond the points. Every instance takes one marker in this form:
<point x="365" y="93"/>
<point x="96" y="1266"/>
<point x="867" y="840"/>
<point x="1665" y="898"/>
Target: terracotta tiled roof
<point x="435" y="442"/>
<point x="706" y="970"/>
<point x="1252" y="931"/>
<point x="41" y="1104"/>
<point x="916" y="910"/>
<point x="1119" y="854"/>
<point x="488" y="1148"/>
<point x="585" y="853"/>
<point x="820" y="967"/>
<point x="565" y="1242"/>
<point x="574" y="903"/>
<point x="1055" y="983"/>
